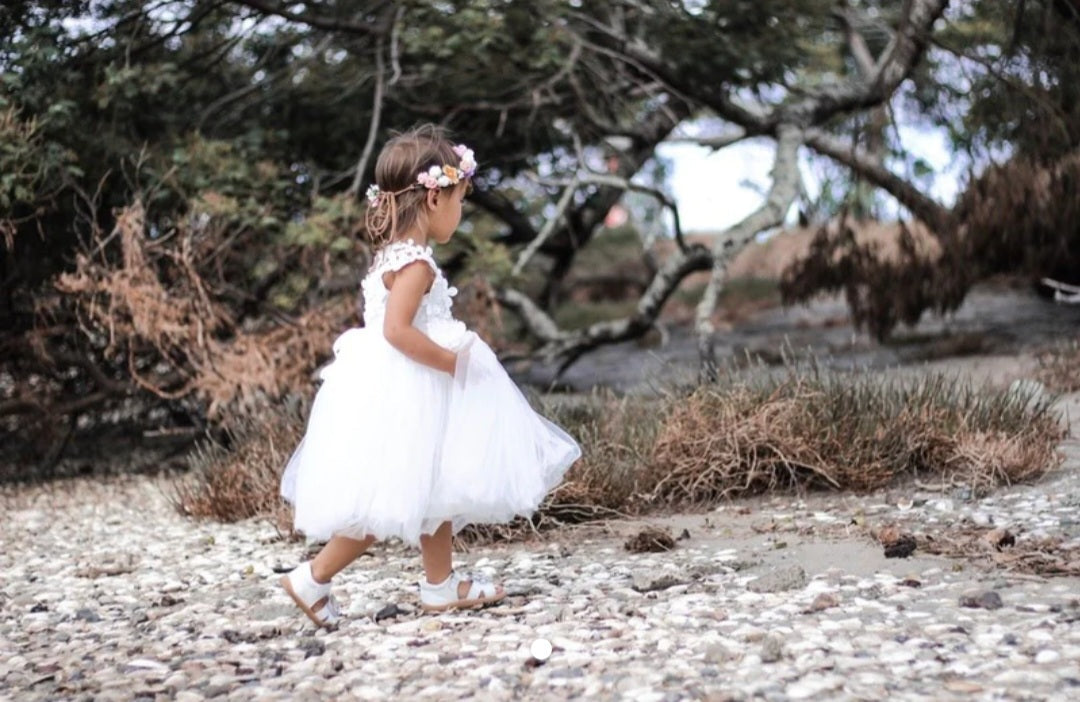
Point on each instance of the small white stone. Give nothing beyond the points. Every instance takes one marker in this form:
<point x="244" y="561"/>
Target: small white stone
<point x="540" y="649"/>
<point x="1047" y="656"/>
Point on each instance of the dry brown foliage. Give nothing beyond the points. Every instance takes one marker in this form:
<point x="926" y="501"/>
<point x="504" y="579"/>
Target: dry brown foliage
<point x="157" y="310"/>
<point x="883" y="287"/>
<point x="1019" y="218"/>
<point x="1048" y="556"/>
<point x="240" y="476"/>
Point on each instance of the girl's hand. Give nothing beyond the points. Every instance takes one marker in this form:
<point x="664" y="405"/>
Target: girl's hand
<point x="407" y="288"/>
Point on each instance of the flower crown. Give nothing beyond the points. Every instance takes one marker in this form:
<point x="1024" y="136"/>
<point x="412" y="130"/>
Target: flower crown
<point x="437" y="176"/>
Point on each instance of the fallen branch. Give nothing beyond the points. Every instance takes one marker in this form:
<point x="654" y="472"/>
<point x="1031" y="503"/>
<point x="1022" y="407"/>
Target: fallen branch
<point x="1063" y="292"/>
<point x="569" y="345"/>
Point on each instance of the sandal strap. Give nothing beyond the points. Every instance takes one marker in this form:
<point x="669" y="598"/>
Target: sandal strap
<point x="479" y="586"/>
<point x="329" y="612"/>
<point x="304" y="585"/>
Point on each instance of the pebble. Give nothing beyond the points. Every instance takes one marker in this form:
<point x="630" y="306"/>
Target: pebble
<point x="987" y="599"/>
<point x="108" y="593"/>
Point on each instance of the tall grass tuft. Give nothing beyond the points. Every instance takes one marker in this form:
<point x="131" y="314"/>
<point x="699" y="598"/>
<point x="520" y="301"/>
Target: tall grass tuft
<point x="813" y="429"/>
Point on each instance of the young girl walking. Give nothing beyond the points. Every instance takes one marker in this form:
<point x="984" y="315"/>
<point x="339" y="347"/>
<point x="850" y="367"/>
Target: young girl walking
<point x="416" y="430"/>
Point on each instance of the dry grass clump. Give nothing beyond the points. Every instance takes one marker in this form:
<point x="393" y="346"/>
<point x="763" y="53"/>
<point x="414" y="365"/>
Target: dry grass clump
<point x="854" y="432"/>
<point x="240" y="476"/>
<point x="1059" y="367"/>
<point x="802" y="429"/>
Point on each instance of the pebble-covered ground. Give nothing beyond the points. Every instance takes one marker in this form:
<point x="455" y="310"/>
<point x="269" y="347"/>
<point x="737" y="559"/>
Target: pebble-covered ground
<point x="108" y="594"/>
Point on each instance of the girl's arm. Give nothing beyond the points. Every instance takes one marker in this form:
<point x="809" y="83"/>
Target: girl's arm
<point x="406" y="290"/>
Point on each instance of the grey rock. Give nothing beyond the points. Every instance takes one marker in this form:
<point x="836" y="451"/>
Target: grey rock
<point x="986" y="599"/>
<point x="652" y="582"/>
<point x="772" y="649"/>
<point x="789" y="578"/>
<point x="87" y="615"/>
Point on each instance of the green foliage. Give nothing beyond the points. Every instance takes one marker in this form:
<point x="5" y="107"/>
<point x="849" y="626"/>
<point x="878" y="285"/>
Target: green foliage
<point x="1018" y="88"/>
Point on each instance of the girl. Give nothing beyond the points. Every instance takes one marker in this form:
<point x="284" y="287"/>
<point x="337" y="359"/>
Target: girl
<point x="416" y="430"/>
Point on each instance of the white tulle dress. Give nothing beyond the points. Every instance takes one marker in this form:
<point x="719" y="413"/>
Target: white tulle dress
<point x="393" y="448"/>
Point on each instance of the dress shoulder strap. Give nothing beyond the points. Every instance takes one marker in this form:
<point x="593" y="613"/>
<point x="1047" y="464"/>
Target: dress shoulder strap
<point x="397" y="254"/>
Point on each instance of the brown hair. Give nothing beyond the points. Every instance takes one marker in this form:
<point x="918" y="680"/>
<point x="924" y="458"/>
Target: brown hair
<point x="401" y="197"/>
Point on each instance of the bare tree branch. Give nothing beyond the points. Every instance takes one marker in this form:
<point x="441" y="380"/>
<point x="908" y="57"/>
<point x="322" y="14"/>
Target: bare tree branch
<point x="892" y="67"/>
<point x="569" y="345"/>
<point x="714" y="142"/>
<point x="549" y="226"/>
<point x="782" y="193"/>
<point x="864" y="60"/>
<point x="933" y="214"/>
<point x="613" y="181"/>
<point x="497" y="204"/>
<point x="376" y="117"/>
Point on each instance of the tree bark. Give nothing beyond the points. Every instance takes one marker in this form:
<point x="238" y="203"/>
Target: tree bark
<point x="781" y="195"/>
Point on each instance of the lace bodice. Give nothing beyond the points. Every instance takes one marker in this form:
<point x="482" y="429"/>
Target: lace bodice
<point x="436" y="303"/>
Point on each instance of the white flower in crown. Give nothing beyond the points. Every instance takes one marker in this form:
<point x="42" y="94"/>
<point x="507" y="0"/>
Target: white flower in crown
<point x="466" y="160"/>
<point x="372" y="194"/>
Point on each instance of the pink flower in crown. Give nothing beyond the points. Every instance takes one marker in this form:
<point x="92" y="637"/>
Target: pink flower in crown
<point x="466" y="160"/>
<point x="429" y="178"/>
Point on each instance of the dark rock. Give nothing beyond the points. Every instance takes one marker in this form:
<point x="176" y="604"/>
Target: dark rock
<point x="1000" y="538"/>
<point x="389" y="612"/>
<point x="651" y="582"/>
<point x="312" y="647"/>
<point x="903" y="547"/>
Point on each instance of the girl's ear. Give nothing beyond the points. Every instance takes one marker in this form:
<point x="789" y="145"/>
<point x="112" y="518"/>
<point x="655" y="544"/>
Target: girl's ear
<point x="433" y="198"/>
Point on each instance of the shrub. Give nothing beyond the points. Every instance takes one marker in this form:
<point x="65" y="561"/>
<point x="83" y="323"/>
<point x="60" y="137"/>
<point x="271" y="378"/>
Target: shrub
<point x="854" y="431"/>
<point x="239" y="475"/>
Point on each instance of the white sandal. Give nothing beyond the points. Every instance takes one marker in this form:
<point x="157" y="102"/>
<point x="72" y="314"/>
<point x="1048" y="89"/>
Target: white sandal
<point x="306" y="593"/>
<point x="443" y="596"/>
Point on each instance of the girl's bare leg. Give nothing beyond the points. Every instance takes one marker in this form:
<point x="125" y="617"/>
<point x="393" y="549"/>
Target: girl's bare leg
<point x="436" y="552"/>
<point x="338" y="552"/>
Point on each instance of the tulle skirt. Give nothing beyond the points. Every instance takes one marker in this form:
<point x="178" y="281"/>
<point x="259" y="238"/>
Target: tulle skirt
<point x="393" y="448"/>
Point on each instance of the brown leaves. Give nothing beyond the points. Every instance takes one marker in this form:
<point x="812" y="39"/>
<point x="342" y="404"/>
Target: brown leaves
<point x="157" y="307"/>
<point x="1002" y="549"/>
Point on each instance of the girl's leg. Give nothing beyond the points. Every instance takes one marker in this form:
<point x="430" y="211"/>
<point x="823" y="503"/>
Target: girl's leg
<point x="436" y="552"/>
<point x="308" y="583"/>
<point x="338" y="552"/>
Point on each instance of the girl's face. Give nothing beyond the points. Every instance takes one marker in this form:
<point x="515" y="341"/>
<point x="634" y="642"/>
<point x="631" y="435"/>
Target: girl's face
<point x="444" y="211"/>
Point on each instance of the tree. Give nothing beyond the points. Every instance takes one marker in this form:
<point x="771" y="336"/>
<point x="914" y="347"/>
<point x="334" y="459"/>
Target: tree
<point x="211" y="151"/>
